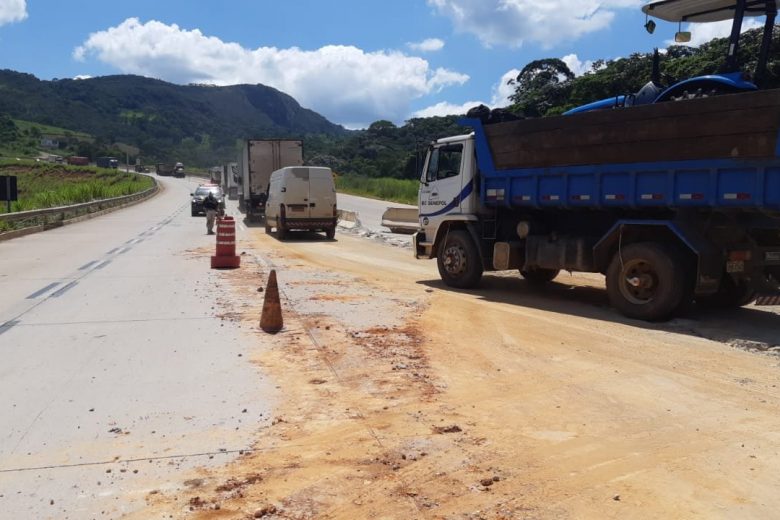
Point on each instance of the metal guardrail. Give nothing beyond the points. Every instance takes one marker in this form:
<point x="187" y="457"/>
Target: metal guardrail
<point x="52" y="217"/>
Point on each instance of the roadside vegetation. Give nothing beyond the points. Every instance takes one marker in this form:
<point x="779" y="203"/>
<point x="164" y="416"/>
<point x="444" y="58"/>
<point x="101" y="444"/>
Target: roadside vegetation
<point x="403" y="191"/>
<point x="44" y="185"/>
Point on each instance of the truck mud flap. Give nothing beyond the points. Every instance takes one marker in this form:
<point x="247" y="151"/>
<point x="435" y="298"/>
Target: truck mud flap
<point x="769" y="299"/>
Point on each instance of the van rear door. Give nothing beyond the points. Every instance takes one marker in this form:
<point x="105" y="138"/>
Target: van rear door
<point x="322" y="193"/>
<point x="296" y="193"/>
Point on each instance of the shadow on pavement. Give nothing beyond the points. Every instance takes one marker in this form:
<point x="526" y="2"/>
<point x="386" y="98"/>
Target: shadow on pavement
<point x="749" y="328"/>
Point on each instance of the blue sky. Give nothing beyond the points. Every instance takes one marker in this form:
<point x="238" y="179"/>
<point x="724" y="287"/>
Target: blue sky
<point x="352" y="61"/>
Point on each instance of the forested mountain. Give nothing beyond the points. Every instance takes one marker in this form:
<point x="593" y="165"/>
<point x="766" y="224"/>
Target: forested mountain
<point x="201" y="124"/>
<point x="196" y="123"/>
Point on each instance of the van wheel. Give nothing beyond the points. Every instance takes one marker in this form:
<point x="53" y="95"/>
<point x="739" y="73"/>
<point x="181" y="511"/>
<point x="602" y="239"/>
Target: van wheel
<point x="280" y="231"/>
<point x="539" y="275"/>
<point x="330" y="233"/>
<point x="267" y="227"/>
<point x="458" y="261"/>
<point x="646" y="281"/>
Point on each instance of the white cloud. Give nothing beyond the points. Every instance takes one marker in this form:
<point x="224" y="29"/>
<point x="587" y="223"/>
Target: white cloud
<point x="514" y="22"/>
<point x="346" y="84"/>
<point x="575" y="65"/>
<point x="446" y="109"/>
<point x="427" y="45"/>
<point x="701" y="33"/>
<point x="499" y="99"/>
<point x="12" y="11"/>
<point x="503" y="89"/>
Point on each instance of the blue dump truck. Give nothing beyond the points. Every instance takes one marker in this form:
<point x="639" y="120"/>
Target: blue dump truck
<point x="675" y="198"/>
<point x="672" y="202"/>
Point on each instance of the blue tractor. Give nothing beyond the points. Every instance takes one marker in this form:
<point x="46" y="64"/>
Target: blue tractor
<point x="729" y="80"/>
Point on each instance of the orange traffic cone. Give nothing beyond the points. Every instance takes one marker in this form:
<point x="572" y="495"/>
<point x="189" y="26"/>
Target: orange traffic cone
<point x="271" y="319"/>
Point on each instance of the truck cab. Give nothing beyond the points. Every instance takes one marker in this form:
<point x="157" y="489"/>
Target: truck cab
<point x="447" y="189"/>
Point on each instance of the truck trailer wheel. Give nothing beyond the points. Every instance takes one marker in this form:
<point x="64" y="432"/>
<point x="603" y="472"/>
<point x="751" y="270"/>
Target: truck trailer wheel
<point x="458" y="261"/>
<point x="330" y="233"/>
<point x="646" y="281"/>
<point x="539" y="275"/>
<point x="731" y="295"/>
<point x="280" y="231"/>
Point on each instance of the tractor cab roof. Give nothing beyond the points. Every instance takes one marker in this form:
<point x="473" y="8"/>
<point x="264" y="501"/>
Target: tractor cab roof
<point x="705" y="10"/>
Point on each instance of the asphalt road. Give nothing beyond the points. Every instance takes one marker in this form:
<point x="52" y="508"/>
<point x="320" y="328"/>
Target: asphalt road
<point x="116" y="369"/>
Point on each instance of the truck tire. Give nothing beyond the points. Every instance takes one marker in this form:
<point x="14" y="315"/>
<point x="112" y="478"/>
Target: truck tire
<point x="330" y="233"/>
<point x="539" y="275"/>
<point x="646" y="281"/>
<point x="267" y="227"/>
<point x="458" y="260"/>
<point x="280" y="231"/>
<point x="730" y="295"/>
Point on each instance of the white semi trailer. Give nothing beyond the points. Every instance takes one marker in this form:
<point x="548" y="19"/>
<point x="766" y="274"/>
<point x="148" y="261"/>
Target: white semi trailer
<point x="258" y="159"/>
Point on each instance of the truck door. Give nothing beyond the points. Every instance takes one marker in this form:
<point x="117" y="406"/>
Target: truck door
<point x="440" y="193"/>
<point x="296" y="193"/>
<point x="322" y="194"/>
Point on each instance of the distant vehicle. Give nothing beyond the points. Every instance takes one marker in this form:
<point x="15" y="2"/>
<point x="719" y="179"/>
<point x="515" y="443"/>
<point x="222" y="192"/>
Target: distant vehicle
<point x="259" y="158"/>
<point x="215" y="176"/>
<point x="178" y="170"/>
<point x="164" y="169"/>
<point x="55" y="159"/>
<point x="201" y="193"/>
<point x="107" y="162"/>
<point x="75" y="160"/>
<point x="230" y="179"/>
<point x="301" y="198"/>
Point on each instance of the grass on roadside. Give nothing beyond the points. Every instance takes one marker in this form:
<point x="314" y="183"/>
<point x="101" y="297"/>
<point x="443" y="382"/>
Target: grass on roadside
<point x="403" y="191"/>
<point x="46" y="185"/>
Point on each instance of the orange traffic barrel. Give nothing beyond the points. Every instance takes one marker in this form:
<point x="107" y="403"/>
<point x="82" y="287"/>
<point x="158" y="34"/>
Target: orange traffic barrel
<point x="226" y="244"/>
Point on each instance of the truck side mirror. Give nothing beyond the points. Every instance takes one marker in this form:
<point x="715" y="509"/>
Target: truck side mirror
<point x="682" y="36"/>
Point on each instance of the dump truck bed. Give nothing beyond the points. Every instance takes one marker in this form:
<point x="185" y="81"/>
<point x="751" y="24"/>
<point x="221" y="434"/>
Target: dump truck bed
<point x="717" y="152"/>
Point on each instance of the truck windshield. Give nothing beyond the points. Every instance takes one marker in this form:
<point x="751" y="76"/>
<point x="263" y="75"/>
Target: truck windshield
<point x="444" y="162"/>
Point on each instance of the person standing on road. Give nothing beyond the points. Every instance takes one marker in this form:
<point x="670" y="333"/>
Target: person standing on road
<point x="211" y="205"/>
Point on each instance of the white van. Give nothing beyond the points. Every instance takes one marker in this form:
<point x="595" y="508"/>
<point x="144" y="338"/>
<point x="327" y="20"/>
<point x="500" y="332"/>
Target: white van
<point x="301" y="197"/>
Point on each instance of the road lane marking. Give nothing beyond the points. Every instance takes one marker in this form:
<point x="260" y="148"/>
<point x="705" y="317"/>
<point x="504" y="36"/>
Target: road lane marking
<point x="8" y="325"/>
<point x="44" y="290"/>
<point x="87" y="265"/>
<point x="62" y="290"/>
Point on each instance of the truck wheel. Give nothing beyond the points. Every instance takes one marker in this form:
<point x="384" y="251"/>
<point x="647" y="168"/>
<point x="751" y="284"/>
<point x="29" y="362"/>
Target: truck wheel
<point x="280" y="231"/>
<point x="458" y="261"/>
<point x="731" y="295"/>
<point x="267" y="227"/>
<point x="539" y="275"/>
<point x="646" y="281"/>
<point x="330" y="233"/>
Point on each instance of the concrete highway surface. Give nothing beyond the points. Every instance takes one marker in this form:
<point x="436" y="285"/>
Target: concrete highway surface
<point x="133" y="378"/>
<point x="116" y="369"/>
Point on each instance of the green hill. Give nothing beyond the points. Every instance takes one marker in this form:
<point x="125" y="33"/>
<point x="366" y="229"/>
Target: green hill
<point x="195" y="123"/>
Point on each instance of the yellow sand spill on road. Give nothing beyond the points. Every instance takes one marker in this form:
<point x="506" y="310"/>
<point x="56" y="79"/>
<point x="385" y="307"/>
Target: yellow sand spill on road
<point x="499" y="403"/>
